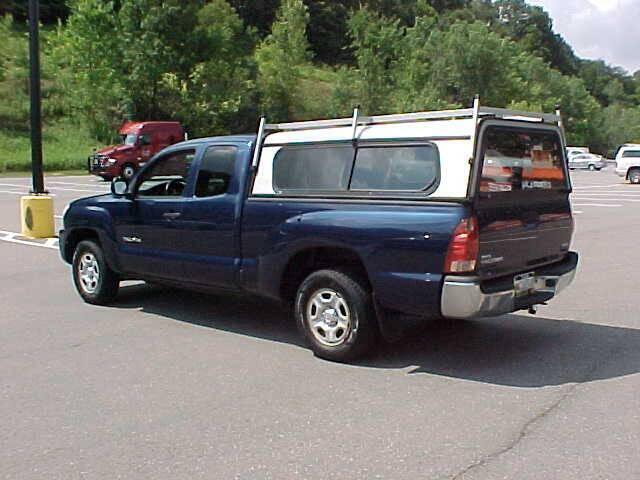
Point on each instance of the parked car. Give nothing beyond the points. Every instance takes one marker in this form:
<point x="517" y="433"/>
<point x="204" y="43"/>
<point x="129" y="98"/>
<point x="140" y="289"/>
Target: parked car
<point x="140" y="142"/>
<point x="628" y="162"/>
<point x="362" y="225"/>
<point x="588" y="161"/>
<point x="571" y="151"/>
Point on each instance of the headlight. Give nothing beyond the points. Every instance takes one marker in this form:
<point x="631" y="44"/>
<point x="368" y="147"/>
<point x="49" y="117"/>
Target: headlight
<point x="111" y="161"/>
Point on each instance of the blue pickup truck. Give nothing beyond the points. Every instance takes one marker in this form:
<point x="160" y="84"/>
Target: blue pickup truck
<point x="360" y="224"/>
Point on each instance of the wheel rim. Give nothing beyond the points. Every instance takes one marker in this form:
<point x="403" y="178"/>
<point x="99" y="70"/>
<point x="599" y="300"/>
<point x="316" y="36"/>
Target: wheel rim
<point x="127" y="172"/>
<point x="592" y="168"/>
<point x="89" y="272"/>
<point x="328" y="317"/>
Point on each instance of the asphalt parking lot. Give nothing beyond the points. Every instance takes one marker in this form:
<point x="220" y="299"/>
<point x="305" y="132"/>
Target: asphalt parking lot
<point x="177" y="385"/>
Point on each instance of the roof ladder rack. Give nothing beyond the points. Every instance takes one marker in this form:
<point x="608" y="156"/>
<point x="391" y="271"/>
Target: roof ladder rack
<point x="475" y="114"/>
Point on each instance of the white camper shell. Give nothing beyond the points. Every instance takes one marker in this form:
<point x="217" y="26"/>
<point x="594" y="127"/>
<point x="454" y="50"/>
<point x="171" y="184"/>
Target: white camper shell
<point x="453" y="132"/>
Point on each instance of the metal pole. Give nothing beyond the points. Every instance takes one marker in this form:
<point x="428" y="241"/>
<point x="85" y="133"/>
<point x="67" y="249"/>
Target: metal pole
<point x="36" y="120"/>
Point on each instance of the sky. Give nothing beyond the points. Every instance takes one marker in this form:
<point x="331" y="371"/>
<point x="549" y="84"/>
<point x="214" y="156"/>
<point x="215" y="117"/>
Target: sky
<point x="599" y="29"/>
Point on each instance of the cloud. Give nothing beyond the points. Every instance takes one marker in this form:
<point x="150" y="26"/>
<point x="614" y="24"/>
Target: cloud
<point x="599" y="29"/>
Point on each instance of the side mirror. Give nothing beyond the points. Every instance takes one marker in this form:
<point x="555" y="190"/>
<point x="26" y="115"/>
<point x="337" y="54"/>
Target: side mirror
<point x="119" y="187"/>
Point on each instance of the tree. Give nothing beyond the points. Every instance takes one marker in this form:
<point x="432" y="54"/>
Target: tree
<point x="87" y="53"/>
<point x="158" y="59"/>
<point x="279" y="58"/>
<point x="375" y="43"/>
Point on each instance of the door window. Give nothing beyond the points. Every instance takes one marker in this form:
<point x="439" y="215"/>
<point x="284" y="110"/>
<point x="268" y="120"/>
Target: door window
<point x="216" y="171"/>
<point x="167" y="177"/>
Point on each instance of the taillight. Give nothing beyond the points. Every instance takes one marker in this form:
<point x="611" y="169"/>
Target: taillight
<point x="462" y="255"/>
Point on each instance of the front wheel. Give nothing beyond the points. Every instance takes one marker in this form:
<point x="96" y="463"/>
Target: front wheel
<point x="94" y="280"/>
<point x="592" y="167"/>
<point x="634" y="176"/>
<point x="334" y="312"/>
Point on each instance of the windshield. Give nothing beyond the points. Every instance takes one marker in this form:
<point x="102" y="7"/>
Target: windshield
<point x="129" y="139"/>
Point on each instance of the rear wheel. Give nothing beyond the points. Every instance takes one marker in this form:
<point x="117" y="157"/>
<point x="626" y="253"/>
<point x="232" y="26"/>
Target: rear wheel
<point x="128" y="171"/>
<point x="335" y="314"/>
<point x="94" y="280"/>
<point x="634" y="176"/>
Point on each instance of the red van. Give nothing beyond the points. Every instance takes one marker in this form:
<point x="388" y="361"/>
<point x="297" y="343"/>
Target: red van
<point x="140" y="142"/>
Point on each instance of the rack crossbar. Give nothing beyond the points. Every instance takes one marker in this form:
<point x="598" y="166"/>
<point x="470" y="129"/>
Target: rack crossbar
<point x="413" y="117"/>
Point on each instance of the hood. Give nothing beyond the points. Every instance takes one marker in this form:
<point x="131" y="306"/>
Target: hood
<point x="115" y="150"/>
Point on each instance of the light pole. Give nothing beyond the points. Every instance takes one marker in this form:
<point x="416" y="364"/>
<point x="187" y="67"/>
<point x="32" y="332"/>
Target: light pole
<point x="36" y="210"/>
<point x="34" y="82"/>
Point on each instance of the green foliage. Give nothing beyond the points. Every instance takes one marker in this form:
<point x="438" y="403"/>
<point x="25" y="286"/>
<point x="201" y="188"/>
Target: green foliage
<point x="279" y="58"/>
<point x="158" y="59"/>
<point x="215" y="65"/>
<point x="375" y="42"/>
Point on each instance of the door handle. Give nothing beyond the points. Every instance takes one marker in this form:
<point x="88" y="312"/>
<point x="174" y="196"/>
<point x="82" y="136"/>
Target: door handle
<point x="171" y="215"/>
<point x="132" y="239"/>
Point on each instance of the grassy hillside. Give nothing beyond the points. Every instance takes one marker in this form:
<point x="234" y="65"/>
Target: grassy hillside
<point x="65" y="147"/>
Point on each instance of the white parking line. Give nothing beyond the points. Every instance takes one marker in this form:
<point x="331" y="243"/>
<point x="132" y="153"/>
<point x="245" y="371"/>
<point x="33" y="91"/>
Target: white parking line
<point x="51" y="243"/>
<point x="12" y="192"/>
<point x="65" y="189"/>
<point x="74" y="184"/>
<point x="600" y="186"/>
<point x="596" y="205"/>
<point x="600" y="199"/>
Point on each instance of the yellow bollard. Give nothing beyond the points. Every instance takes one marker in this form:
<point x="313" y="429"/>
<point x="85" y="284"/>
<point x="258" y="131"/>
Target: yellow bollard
<point x="37" y="216"/>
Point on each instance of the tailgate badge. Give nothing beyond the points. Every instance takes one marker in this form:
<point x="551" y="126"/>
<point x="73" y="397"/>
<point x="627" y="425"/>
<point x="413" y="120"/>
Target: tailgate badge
<point x="490" y="260"/>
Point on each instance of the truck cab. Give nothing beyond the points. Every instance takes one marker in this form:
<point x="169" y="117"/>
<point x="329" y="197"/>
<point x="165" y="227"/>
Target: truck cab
<point x="360" y="226"/>
<point x="139" y="142"/>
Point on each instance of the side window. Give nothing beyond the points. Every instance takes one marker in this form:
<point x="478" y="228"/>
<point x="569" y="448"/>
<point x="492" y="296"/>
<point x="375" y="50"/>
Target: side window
<point x="631" y="154"/>
<point x="167" y="177"/>
<point x="401" y="168"/>
<point x="145" y="139"/>
<point x="312" y="168"/>
<point x="216" y="171"/>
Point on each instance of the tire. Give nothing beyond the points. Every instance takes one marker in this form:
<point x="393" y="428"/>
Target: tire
<point x="592" y="167"/>
<point x="94" y="280"/>
<point x="634" y="176"/>
<point x="344" y="315"/>
<point x="128" y="171"/>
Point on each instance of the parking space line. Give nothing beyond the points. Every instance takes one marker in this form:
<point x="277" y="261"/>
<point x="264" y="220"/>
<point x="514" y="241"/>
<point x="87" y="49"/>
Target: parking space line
<point x="611" y="205"/>
<point x="599" y="199"/>
<point x="65" y="189"/>
<point x="599" y="186"/>
<point x="51" y="243"/>
<point x="13" y="192"/>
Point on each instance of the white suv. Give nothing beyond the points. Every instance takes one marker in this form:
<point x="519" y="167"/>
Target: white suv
<point x="628" y="162"/>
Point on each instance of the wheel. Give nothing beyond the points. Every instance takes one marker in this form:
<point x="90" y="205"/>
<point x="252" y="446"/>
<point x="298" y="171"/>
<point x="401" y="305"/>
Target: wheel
<point x="592" y="167"/>
<point x="128" y="171"/>
<point x="95" y="281"/>
<point x="334" y="312"/>
<point x="634" y="176"/>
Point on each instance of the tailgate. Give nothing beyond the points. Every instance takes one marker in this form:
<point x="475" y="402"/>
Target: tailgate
<point x="522" y="203"/>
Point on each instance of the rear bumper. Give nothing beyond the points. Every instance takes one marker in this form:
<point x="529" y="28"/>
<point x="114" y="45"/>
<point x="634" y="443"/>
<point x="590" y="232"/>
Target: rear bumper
<point x="468" y="297"/>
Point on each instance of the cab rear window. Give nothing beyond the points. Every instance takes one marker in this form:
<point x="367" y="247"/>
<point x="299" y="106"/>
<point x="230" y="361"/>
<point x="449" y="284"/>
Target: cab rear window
<point x="515" y="160"/>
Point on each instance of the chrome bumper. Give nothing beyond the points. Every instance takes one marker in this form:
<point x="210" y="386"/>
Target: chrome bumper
<point x="464" y="298"/>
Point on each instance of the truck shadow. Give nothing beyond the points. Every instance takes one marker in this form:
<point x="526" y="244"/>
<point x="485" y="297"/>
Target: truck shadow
<point x="512" y="350"/>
